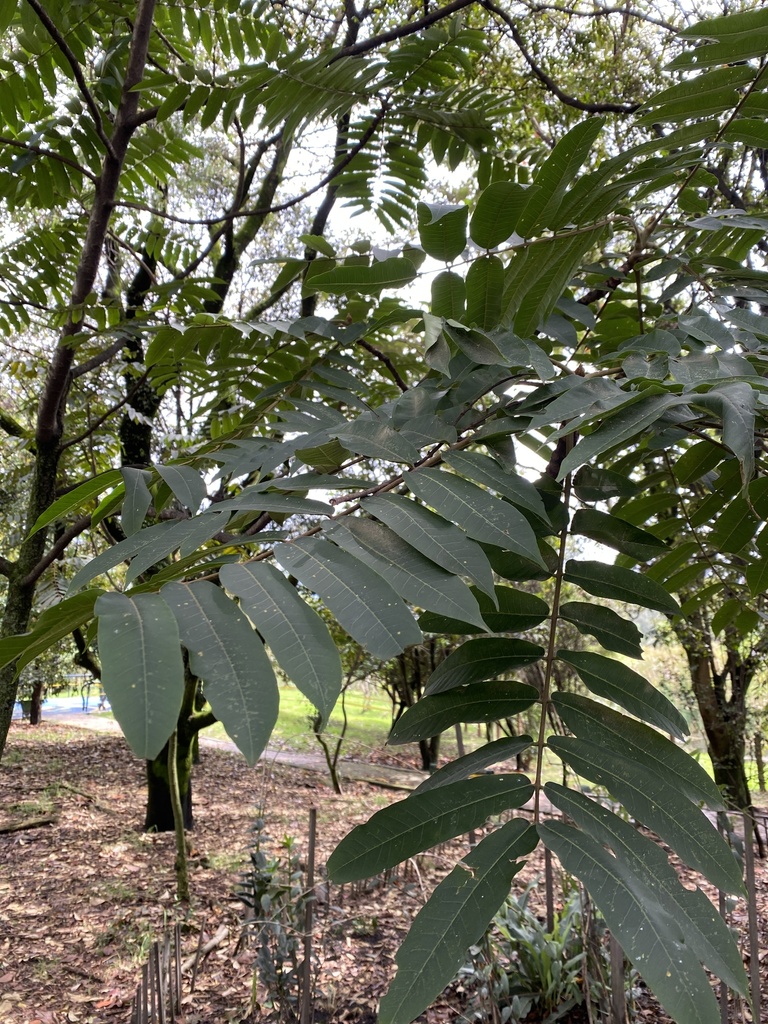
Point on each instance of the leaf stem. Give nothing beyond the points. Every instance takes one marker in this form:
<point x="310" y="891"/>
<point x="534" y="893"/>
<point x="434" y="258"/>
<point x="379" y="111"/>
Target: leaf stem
<point x="551" y="645"/>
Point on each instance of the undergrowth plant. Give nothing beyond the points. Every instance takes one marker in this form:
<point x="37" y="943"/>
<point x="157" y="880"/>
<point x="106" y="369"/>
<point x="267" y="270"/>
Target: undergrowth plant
<point x="273" y="892"/>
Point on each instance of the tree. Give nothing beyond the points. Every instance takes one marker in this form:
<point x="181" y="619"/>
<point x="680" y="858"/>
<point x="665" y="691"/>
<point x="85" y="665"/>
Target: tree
<point x="512" y="353"/>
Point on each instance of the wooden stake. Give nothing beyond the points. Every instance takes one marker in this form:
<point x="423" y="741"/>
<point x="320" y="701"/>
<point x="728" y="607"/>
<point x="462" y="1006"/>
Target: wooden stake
<point x="306" y="987"/>
<point x="754" y="945"/>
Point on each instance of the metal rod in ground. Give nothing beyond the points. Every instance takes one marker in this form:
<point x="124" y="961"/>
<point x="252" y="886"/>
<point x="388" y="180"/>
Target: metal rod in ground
<point x="618" y="990"/>
<point x="754" y="946"/>
<point x="144" y="989"/>
<point x="197" y="955"/>
<point x="158" y="966"/>
<point x="549" y="890"/>
<point x="152" y="990"/>
<point x="177" y="966"/>
<point x="721" y="906"/>
<point x="306" y="987"/>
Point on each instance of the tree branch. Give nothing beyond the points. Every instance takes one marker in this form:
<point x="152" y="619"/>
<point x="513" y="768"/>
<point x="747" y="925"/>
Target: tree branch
<point x="384" y="358"/>
<point x="6" y="567"/>
<point x="74" y="64"/>
<point x="61" y="544"/>
<point x="98" y="360"/>
<point x="549" y="83"/>
<point x="42" y="151"/>
<point x="356" y="49"/>
<point x="12" y="426"/>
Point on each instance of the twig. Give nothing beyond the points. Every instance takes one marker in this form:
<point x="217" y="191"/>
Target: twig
<point x="81" y="792"/>
<point x="200" y="954"/>
<point x="22" y="826"/>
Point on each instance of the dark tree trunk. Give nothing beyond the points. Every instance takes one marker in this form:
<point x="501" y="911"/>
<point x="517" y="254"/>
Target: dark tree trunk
<point x="36" y="708"/>
<point x="430" y="751"/>
<point x="159" y="815"/>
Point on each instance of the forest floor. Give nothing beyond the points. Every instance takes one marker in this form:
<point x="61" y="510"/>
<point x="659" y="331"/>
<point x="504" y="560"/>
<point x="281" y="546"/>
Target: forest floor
<point x="83" y="897"/>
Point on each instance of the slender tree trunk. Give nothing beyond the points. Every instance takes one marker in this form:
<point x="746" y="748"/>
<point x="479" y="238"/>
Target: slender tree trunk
<point x="36" y="710"/>
<point x="159" y="812"/>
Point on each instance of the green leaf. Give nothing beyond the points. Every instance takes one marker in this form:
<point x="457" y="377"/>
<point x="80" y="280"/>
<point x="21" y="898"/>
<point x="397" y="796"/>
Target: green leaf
<point x="485" y="286"/>
<point x="142" y="668"/>
<point x="497" y="212"/>
<point x="487" y="471"/>
<point x="616" y="533"/>
<point x="76" y="498"/>
<point x="449" y="296"/>
<point x="365" y="605"/>
<point x="624" y="425"/>
<point x="454" y="917"/>
<point x="441" y="542"/>
<point x="616" y="682"/>
<point x="295" y="633"/>
<point x="377" y="440"/>
<point x="282" y="504"/>
<point x="517" y="568"/>
<point x="422" y="821"/>
<point x="413" y="576"/>
<point x="757" y="578"/>
<point x="648" y="932"/>
<point x="391" y="273"/>
<point x="517" y="611"/>
<point x="442" y="230"/>
<point x="186" y="483"/>
<point x="611" y="631"/>
<point x="656" y="801"/>
<point x="704" y="929"/>
<point x="227" y="654"/>
<point x="556" y="174"/>
<point x="735" y="403"/>
<point x="485" y="657"/>
<point x="483" y="516"/>
<point x="474" y="344"/>
<point x="136" y="501"/>
<point x="615" y="583"/>
<point x="588" y="718"/>
<point x="54" y="624"/>
<point x="489" y="701"/>
<point x="468" y="765"/>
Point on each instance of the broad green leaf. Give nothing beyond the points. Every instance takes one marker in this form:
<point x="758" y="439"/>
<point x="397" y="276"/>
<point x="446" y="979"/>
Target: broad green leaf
<point x="485" y="657"/>
<point x="658" y="803"/>
<point x="592" y="483"/>
<point x="517" y="611"/>
<point x="377" y="440"/>
<point x="475" y="344"/>
<point x="326" y="457"/>
<point x="616" y="533"/>
<point x="449" y="296"/>
<point x="483" y="516"/>
<point x="227" y="654"/>
<point x="517" y="568"/>
<point x="735" y="527"/>
<point x="365" y="604"/>
<point x="157" y="546"/>
<point x="757" y="577"/>
<point x="282" y="504"/>
<point x="485" y="285"/>
<point x="623" y="426"/>
<point x="487" y="471"/>
<point x="442" y="230"/>
<point x="705" y="930"/>
<point x="142" y="668"/>
<point x="295" y="633"/>
<point x="614" y="681"/>
<point x="441" y="542"/>
<point x="391" y="273"/>
<point x="422" y="821"/>
<point x="482" y="702"/>
<point x="54" y="624"/>
<point x="611" y="630"/>
<point x="588" y="718"/>
<point x="555" y="175"/>
<point x="454" y="917"/>
<point x="648" y="931"/>
<point x="468" y="765"/>
<point x="76" y="498"/>
<point x="413" y="576"/>
<point x="136" y="501"/>
<point x="735" y="404"/>
<point x="497" y="212"/>
<point x="611" y="581"/>
<point x="186" y="483"/>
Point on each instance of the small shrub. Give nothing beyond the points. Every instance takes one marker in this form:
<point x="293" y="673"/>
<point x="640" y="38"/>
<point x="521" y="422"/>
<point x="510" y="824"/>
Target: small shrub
<point x="273" y="892"/>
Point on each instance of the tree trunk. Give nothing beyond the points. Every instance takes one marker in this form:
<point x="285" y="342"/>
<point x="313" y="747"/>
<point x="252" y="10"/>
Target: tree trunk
<point x="159" y="814"/>
<point x="36" y="710"/>
<point x="430" y="751"/>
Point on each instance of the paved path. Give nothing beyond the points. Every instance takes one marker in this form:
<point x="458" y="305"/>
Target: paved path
<point x="69" y="711"/>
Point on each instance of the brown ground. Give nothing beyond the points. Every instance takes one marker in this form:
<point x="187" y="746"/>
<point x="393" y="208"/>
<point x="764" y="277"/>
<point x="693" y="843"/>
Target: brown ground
<point x="82" y="898"/>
